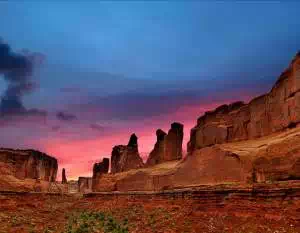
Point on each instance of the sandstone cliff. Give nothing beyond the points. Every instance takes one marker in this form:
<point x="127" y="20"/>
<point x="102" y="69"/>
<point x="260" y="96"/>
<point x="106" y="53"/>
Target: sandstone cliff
<point x="124" y="158"/>
<point x="168" y="147"/>
<point x="268" y="159"/>
<point x="21" y="167"/>
<point x="85" y="184"/>
<point x="236" y="143"/>
<point x="29" y="164"/>
<point x="98" y="170"/>
<point x="277" y="110"/>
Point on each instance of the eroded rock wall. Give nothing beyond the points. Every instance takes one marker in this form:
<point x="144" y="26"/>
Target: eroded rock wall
<point x="85" y="184"/>
<point x="239" y="143"/>
<point x="124" y="158"/>
<point x="269" y="159"/>
<point x="101" y="168"/>
<point x="30" y="164"/>
<point x="98" y="170"/>
<point x="168" y="147"/>
<point x="277" y="110"/>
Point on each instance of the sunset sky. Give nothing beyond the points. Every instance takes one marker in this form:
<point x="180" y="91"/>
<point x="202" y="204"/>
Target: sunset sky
<point x="105" y="70"/>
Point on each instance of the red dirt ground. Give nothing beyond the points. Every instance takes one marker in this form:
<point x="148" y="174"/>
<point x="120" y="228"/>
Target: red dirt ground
<point x="30" y="213"/>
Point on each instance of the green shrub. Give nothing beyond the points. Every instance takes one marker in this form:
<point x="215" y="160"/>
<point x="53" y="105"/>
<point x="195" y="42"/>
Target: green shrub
<point x="89" y="222"/>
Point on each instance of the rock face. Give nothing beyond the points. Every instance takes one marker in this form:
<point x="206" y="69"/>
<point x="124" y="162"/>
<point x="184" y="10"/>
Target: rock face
<point x="168" y="147"/>
<point x="124" y="158"/>
<point x="30" y="164"/>
<point x="63" y="177"/>
<point x="101" y="168"/>
<point x="277" y="110"/>
<point x="239" y="143"/>
<point x="85" y="184"/>
<point x="268" y="159"/>
<point x="98" y="170"/>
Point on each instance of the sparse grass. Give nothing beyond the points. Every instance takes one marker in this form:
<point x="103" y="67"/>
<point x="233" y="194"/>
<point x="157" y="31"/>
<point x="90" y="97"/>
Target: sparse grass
<point x="89" y="222"/>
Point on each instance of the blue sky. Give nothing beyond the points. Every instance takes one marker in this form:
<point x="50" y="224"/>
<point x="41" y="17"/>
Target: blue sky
<point x="150" y="39"/>
<point x="127" y="62"/>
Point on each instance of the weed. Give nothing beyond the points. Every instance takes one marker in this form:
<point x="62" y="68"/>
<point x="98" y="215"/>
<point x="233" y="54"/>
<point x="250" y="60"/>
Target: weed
<point x="88" y="222"/>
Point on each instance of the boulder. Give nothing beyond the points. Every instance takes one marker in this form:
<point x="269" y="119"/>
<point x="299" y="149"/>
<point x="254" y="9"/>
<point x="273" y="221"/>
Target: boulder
<point x="168" y="147"/>
<point x="124" y="158"/>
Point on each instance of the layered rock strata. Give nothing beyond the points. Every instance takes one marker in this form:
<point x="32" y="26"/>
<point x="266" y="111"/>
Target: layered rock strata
<point x="168" y="147"/>
<point x="28" y="164"/>
<point x="270" y="159"/>
<point x="277" y="110"/>
<point x="240" y="143"/>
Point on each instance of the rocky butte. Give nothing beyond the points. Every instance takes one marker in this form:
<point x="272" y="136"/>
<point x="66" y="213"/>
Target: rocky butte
<point x="124" y="158"/>
<point x="22" y="169"/>
<point x="241" y="143"/>
<point x="168" y="147"/>
<point x="64" y="177"/>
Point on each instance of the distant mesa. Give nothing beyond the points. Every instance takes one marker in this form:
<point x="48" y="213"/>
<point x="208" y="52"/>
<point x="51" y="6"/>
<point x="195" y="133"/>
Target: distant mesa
<point x="30" y="164"/>
<point x="26" y="169"/>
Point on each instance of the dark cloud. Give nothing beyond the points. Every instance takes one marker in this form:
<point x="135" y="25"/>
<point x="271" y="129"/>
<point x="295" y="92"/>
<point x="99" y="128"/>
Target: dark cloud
<point x="63" y="116"/>
<point x="55" y="128"/>
<point x="97" y="127"/>
<point x="136" y="106"/>
<point x="17" y="70"/>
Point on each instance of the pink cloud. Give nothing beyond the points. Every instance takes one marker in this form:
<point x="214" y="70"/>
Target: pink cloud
<point x="78" y="156"/>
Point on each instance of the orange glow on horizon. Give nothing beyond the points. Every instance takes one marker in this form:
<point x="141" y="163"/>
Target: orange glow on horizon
<point x="78" y="157"/>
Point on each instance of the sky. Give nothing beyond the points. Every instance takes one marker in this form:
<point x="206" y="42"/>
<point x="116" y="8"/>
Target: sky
<point x="83" y="76"/>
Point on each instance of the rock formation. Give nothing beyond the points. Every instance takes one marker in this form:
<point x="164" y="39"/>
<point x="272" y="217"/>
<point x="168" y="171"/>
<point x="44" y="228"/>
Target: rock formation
<point x="168" y="147"/>
<point x="85" y="184"/>
<point x="29" y="164"/>
<point x="236" y="143"/>
<point x="124" y="158"/>
<point x="277" y="110"/>
<point x="98" y="170"/>
<point x="63" y="177"/>
<point x="101" y="168"/>
<point x="26" y="170"/>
